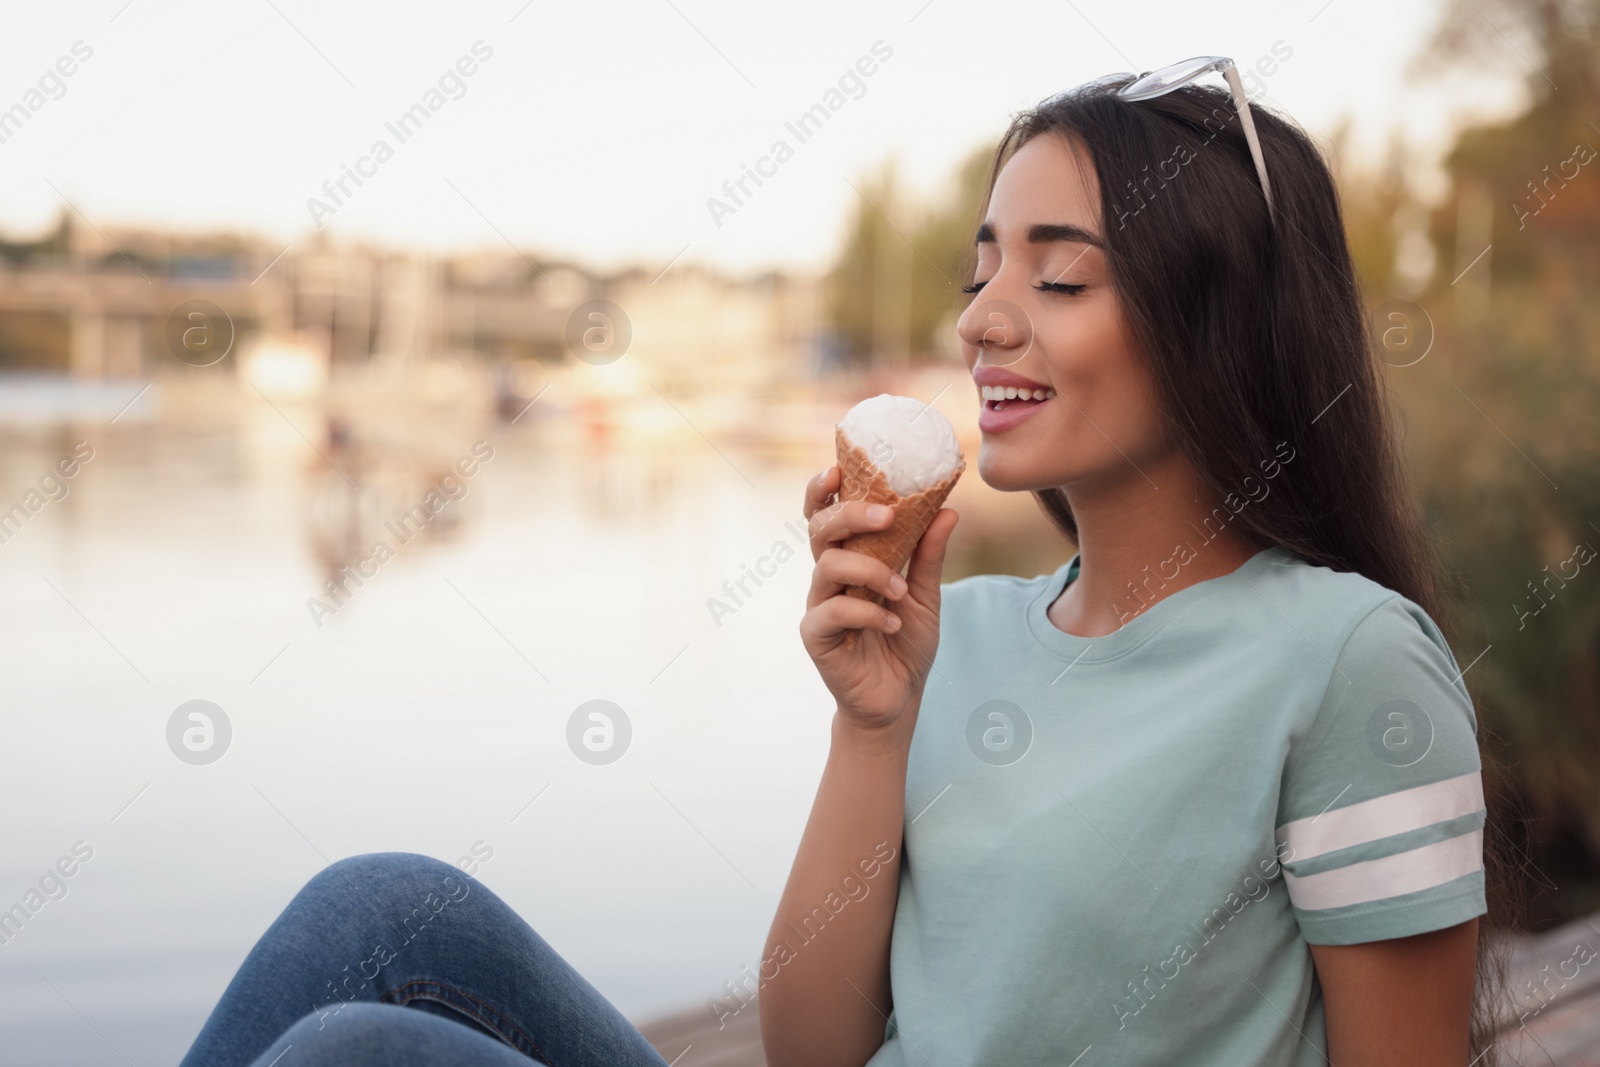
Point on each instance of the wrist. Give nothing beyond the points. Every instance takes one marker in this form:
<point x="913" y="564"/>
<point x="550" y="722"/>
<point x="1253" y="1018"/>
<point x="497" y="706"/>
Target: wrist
<point x="892" y="739"/>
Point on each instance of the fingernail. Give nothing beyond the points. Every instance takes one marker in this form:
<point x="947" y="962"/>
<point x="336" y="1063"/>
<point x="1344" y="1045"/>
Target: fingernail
<point x="893" y="621"/>
<point x="877" y="513"/>
<point x="897" y="585"/>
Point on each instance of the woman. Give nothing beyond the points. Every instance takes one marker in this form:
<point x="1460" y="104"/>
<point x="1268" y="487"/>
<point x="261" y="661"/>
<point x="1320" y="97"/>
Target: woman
<point x="1207" y="794"/>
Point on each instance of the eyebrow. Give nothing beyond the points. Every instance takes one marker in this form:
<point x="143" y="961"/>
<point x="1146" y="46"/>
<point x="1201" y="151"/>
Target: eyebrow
<point x="1045" y="232"/>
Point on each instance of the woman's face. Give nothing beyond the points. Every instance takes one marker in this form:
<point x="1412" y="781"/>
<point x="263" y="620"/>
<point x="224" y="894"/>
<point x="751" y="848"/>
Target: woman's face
<point x="1047" y="320"/>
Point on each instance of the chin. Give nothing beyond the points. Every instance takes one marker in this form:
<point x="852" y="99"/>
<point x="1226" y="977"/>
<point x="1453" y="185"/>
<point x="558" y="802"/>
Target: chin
<point x="1002" y="472"/>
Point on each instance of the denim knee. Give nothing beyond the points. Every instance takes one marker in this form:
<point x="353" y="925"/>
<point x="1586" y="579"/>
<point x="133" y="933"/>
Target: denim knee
<point x="373" y="872"/>
<point x="336" y="1029"/>
<point x="364" y="1034"/>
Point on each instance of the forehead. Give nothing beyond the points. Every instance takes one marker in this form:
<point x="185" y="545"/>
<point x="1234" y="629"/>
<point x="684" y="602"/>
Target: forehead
<point x="1048" y="179"/>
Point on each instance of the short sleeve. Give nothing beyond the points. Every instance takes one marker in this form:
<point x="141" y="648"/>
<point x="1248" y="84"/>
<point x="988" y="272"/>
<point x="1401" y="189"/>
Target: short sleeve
<point x="1381" y="814"/>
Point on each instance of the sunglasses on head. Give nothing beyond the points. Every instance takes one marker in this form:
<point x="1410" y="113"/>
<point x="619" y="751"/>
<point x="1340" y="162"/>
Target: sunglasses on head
<point x="1159" y="82"/>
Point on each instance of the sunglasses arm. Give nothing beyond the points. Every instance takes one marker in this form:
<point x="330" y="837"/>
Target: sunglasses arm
<point x="1231" y="72"/>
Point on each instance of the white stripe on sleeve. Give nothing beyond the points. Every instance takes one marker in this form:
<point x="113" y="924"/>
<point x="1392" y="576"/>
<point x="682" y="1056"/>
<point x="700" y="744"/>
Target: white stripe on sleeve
<point x="1385" y="816"/>
<point x="1389" y="876"/>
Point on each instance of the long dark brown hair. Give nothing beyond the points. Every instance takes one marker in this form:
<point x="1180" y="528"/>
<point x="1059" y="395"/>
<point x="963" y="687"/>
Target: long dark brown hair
<point x="1252" y="324"/>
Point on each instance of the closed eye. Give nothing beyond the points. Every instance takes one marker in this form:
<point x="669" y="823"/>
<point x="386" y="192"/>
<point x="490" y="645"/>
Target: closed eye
<point x="1043" y="287"/>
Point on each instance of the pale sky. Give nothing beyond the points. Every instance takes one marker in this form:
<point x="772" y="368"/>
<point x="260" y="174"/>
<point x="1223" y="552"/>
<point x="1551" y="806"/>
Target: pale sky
<point x="598" y="131"/>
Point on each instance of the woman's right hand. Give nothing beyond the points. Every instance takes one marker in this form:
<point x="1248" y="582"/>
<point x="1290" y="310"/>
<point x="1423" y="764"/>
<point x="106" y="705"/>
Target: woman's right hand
<point x="879" y="677"/>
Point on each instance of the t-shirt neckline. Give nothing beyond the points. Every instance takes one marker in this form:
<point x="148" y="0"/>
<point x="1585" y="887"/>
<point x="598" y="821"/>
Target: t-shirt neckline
<point x="1142" y="627"/>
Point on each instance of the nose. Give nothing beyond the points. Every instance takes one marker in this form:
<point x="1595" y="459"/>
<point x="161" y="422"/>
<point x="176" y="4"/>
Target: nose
<point x="999" y="330"/>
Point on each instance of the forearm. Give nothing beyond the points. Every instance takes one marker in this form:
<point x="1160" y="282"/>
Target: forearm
<point x="829" y="998"/>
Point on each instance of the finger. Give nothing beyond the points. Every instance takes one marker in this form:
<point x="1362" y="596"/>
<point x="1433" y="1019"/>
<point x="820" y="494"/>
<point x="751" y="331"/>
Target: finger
<point x="927" y="562"/>
<point x="839" y="568"/>
<point x="835" y="524"/>
<point x="831" y="619"/>
<point x="820" y="490"/>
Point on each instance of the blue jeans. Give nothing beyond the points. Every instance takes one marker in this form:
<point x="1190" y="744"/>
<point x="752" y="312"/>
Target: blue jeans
<point x="399" y="960"/>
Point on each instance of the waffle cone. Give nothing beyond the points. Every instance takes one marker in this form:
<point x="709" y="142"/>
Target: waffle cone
<point x="861" y="479"/>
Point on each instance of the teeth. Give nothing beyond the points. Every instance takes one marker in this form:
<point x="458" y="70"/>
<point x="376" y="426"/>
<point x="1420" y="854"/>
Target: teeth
<point x="1006" y="392"/>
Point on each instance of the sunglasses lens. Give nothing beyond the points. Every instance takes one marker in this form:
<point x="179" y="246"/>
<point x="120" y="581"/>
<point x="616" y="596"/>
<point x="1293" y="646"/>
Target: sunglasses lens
<point x="1169" y="78"/>
<point x="1105" y="83"/>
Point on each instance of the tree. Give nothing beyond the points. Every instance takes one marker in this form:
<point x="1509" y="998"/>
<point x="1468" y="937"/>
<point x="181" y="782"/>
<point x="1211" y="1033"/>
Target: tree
<point x="1503" y="419"/>
<point x="895" y="288"/>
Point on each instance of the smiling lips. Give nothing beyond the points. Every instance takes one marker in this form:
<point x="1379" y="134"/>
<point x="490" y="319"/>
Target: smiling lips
<point x="1008" y="399"/>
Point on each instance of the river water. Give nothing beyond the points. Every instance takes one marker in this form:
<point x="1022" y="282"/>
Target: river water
<point x="426" y="710"/>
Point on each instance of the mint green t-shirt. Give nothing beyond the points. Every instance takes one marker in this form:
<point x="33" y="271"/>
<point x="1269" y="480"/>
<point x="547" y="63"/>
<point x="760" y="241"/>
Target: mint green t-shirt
<point x="1118" y="849"/>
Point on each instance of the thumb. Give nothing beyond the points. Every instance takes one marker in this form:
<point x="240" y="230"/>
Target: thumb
<point x="927" y="562"/>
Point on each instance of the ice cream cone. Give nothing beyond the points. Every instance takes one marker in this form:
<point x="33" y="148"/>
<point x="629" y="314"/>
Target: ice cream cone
<point x="861" y="479"/>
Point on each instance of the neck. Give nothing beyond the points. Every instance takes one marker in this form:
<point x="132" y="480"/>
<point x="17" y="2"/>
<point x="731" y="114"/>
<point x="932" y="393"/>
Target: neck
<point x="1139" y="543"/>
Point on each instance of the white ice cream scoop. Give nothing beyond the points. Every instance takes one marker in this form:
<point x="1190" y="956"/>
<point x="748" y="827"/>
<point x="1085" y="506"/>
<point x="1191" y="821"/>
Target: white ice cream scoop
<point x="908" y="440"/>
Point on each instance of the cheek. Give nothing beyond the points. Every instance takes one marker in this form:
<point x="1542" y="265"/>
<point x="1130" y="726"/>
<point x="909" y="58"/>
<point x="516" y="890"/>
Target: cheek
<point x="1108" y="391"/>
<point x="1090" y="360"/>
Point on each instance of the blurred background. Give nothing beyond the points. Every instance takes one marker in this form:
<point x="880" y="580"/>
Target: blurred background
<point x="397" y="381"/>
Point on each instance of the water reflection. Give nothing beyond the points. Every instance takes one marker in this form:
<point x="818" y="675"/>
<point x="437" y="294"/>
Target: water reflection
<point x="367" y="499"/>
